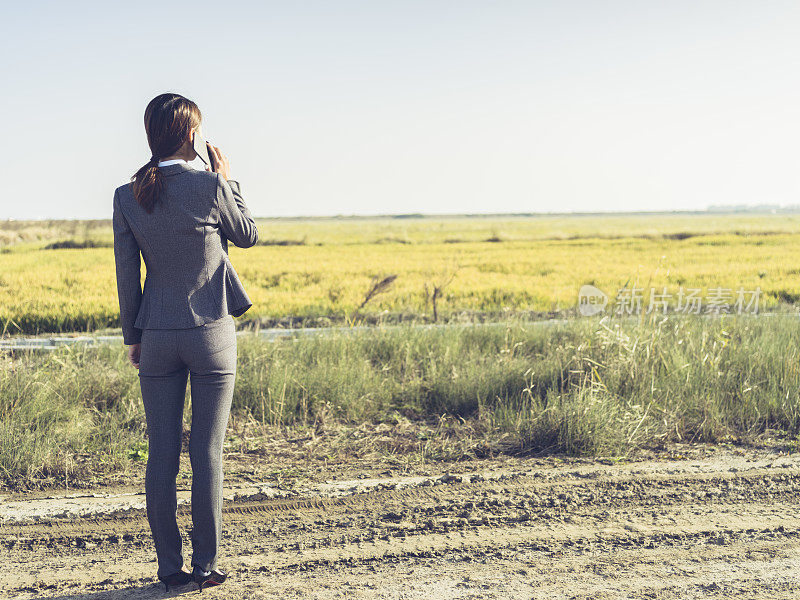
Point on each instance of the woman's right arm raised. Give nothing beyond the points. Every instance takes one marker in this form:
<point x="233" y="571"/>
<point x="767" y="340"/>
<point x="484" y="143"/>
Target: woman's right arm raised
<point x="235" y="219"/>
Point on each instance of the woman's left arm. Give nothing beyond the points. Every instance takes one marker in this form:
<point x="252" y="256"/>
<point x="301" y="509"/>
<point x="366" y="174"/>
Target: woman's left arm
<point x="128" y="265"/>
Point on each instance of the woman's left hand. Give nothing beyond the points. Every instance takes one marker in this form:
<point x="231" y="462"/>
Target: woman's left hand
<point x="134" y="351"/>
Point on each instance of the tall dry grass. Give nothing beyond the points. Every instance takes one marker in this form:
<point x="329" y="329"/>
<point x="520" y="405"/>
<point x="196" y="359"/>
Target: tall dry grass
<point x="582" y="388"/>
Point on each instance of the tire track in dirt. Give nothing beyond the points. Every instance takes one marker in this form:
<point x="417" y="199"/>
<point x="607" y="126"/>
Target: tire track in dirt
<point x="641" y="534"/>
<point x="526" y="491"/>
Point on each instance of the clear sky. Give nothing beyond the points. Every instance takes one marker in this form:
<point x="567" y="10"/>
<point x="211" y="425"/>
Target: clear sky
<point x="433" y="106"/>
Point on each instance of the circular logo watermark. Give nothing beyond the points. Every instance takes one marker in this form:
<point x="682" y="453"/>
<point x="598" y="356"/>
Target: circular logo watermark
<point x="591" y="301"/>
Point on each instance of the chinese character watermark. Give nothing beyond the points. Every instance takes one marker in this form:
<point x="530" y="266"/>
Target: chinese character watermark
<point x="632" y="301"/>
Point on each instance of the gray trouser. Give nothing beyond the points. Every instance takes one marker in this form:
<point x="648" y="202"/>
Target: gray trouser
<point x="207" y="353"/>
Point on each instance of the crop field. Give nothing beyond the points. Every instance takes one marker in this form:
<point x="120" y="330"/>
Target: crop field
<point x="59" y="276"/>
<point x="626" y="458"/>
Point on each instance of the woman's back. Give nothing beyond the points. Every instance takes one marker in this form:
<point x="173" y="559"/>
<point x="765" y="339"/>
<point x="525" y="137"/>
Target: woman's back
<point x="184" y="242"/>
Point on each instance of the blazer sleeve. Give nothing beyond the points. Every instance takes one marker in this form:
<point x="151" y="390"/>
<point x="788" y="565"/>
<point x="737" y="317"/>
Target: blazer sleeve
<point x="235" y="219"/>
<point x="128" y="264"/>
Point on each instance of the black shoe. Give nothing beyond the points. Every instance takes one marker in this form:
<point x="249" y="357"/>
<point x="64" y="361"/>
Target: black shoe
<point x="208" y="578"/>
<point x="180" y="578"/>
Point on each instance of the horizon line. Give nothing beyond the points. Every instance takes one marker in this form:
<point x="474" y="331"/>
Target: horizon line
<point x="712" y="209"/>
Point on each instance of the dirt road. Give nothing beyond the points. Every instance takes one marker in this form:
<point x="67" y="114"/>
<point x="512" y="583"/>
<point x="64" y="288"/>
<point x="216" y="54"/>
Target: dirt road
<point x="723" y="524"/>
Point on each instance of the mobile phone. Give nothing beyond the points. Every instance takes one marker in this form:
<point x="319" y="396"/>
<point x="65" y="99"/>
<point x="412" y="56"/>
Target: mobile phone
<point x="200" y="147"/>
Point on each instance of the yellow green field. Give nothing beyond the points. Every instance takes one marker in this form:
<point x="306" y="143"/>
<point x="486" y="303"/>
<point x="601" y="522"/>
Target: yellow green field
<point x="324" y="267"/>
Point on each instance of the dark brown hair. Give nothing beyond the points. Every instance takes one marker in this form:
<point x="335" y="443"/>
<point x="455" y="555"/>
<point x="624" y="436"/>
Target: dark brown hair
<point x="168" y="121"/>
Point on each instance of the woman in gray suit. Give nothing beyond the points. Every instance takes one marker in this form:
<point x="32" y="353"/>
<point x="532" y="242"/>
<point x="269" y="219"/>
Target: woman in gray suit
<point x="181" y="324"/>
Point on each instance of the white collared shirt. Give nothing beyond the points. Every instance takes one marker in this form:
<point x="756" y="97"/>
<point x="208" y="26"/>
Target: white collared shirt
<point x="174" y="161"/>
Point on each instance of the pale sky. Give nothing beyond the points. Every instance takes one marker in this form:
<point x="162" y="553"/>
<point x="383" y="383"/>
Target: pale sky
<point x="431" y="106"/>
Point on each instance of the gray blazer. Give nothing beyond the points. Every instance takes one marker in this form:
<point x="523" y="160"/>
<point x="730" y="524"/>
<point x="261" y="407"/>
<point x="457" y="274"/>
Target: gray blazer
<point x="184" y="241"/>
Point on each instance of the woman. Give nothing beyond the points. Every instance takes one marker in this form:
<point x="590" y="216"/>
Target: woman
<point x="181" y="219"/>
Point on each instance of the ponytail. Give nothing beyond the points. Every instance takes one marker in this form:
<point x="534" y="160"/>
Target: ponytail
<point x="168" y="120"/>
<point x="148" y="182"/>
